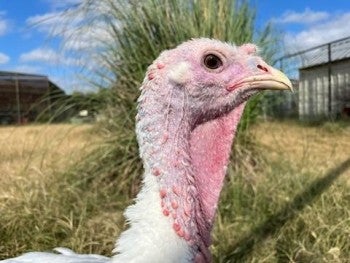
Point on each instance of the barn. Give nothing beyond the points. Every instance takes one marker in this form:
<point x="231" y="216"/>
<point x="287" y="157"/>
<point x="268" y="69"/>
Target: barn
<point x="26" y="97"/>
<point x="324" y="81"/>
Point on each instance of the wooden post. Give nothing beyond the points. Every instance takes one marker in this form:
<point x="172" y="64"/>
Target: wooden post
<point x="18" y="101"/>
<point x="49" y="98"/>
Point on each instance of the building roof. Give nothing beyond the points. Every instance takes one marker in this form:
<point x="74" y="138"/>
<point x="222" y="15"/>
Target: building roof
<point x="330" y="52"/>
<point x="10" y="75"/>
<point x="42" y="80"/>
<point x="320" y="56"/>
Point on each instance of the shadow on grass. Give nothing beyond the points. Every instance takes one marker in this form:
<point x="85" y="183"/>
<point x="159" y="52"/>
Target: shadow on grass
<point x="245" y="246"/>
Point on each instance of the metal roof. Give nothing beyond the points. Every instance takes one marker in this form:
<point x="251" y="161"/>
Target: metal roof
<point x="10" y="75"/>
<point x="323" y="54"/>
<point x="41" y="81"/>
<point x="327" y="53"/>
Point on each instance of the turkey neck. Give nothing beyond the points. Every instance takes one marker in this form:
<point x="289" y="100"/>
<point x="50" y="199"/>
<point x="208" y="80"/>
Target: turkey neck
<point x="189" y="163"/>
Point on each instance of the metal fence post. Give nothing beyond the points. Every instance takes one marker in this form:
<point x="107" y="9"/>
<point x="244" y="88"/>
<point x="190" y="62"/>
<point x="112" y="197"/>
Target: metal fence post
<point x="329" y="80"/>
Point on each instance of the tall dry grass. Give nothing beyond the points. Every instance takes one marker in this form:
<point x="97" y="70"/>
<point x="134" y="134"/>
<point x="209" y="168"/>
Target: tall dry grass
<point x="280" y="202"/>
<point x="41" y="149"/>
<point x="318" y="147"/>
<point x="40" y="202"/>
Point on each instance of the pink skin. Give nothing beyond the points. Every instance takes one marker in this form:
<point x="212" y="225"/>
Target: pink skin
<point x="210" y="150"/>
<point x="195" y="118"/>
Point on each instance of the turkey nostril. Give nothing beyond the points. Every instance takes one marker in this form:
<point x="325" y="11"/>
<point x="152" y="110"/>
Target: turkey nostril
<point x="262" y="68"/>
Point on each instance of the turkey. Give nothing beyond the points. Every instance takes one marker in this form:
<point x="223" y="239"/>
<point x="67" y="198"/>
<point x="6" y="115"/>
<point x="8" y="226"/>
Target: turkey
<point x="191" y="102"/>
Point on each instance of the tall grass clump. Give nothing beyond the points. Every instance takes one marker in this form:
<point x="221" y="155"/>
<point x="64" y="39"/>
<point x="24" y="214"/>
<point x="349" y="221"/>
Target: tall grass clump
<point x="130" y="35"/>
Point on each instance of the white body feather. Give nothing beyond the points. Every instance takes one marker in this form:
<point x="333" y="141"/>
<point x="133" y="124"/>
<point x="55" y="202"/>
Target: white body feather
<point x="151" y="237"/>
<point x="66" y="256"/>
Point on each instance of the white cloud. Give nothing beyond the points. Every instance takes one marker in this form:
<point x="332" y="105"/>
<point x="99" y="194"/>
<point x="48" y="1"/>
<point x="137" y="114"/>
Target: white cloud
<point x="308" y="16"/>
<point x="335" y="27"/>
<point x="48" y="56"/>
<point x="73" y="27"/>
<point x="4" y="23"/>
<point x="81" y="32"/>
<point x="86" y="38"/>
<point x="27" y="69"/>
<point x="40" y="54"/>
<point x="4" y="58"/>
<point x="71" y="83"/>
<point x="75" y="33"/>
<point x="53" y="23"/>
<point x="3" y="27"/>
<point x="60" y="4"/>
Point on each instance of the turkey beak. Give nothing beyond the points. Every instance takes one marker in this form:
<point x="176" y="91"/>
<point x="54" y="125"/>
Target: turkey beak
<point x="268" y="78"/>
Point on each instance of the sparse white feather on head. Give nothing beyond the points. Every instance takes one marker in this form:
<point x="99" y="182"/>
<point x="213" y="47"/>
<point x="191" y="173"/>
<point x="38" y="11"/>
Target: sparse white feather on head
<point x="180" y="73"/>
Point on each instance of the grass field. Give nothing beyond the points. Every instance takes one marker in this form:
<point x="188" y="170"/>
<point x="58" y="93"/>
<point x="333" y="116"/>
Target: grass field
<point x="288" y="200"/>
<point x="294" y="205"/>
<point x="40" y="150"/>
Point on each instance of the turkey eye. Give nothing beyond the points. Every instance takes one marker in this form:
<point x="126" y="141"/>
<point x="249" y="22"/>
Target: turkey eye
<point x="212" y="61"/>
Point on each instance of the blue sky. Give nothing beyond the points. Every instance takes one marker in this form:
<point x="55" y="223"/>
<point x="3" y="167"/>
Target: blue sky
<point x="25" y="47"/>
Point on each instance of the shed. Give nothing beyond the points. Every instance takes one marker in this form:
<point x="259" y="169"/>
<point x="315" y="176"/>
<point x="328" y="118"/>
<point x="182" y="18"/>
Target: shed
<point x="23" y="97"/>
<point x="324" y="81"/>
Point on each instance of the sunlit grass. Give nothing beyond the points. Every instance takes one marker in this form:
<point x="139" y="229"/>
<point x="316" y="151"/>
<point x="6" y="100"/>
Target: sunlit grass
<point x="31" y="148"/>
<point x="264" y="215"/>
<point x="291" y="207"/>
<point x="41" y="204"/>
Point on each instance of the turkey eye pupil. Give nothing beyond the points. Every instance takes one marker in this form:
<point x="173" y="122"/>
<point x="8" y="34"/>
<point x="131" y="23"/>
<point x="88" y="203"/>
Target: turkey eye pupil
<point x="212" y="62"/>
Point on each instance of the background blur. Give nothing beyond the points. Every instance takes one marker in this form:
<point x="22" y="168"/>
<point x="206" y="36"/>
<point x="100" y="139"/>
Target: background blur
<point x="69" y="77"/>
